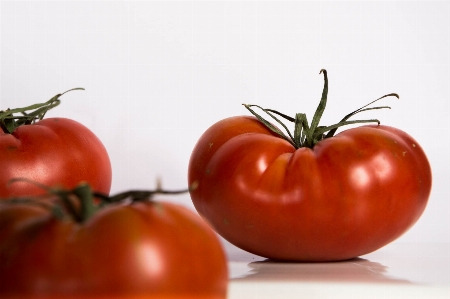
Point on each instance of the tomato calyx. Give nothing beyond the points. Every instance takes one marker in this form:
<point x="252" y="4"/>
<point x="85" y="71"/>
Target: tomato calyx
<point x="81" y="202"/>
<point x="306" y="135"/>
<point x="9" y="122"/>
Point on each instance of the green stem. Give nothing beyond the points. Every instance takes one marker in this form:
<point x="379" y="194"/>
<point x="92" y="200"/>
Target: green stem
<point x="362" y="109"/>
<point x="29" y="114"/>
<point x="269" y="125"/>
<point x="79" y="203"/>
<point x="84" y="193"/>
<point x="67" y="199"/>
<point x="306" y="135"/>
<point x="35" y="201"/>
<point x="135" y="195"/>
<point x="309" y="142"/>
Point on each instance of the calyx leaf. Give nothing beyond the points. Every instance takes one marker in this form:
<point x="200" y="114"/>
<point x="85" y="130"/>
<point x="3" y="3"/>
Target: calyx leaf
<point x="306" y="135"/>
<point x="29" y="114"/>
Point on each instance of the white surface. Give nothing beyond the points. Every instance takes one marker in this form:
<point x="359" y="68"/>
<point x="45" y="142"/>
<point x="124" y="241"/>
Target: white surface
<point x="158" y="74"/>
<point x="395" y="271"/>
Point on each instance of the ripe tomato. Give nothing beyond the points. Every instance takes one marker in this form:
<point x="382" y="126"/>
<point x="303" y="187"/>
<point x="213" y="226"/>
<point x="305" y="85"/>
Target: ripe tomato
<point x="345" y="196"/>
<point x="140" y="248"/>
<point x="52" y="151"/>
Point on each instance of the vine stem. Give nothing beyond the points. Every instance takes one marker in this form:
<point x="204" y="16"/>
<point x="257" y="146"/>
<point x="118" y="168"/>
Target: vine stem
<point x="306" y="135"/>
<point x="9" y="122"/>
<point x="80" y="202"/>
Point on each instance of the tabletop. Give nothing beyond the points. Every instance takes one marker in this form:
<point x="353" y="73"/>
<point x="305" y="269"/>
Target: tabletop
<point x="398" y="270"/>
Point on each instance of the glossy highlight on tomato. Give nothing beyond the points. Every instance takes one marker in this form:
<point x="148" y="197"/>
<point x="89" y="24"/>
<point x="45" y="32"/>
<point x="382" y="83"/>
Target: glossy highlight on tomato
<point x="345" y="196"/>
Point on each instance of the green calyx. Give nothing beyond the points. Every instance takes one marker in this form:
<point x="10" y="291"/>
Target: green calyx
<point x="28" y="115"/>
<point x="81" y="202"/>
<point x="306" y="135"/>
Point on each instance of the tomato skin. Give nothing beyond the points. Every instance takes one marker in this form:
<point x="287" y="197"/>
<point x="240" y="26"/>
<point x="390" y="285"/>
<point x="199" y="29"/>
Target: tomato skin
<point x="53" y="151"/>
<point x="348" y="196"/>
<point x="140" y="249"/>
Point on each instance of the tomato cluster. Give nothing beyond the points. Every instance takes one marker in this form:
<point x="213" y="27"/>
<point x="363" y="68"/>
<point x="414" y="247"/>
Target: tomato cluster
<point x="60" y="239"/>
<point x="313" y="195"/>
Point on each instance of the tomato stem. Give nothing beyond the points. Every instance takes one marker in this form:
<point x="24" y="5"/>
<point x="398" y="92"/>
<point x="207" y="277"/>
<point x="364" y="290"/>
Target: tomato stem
<point x="135" y="195"/>
<point x="38" y="202"/>
<point x="311" y="133"/>
<point x="84" y="192"/>
<point x="67" y="199"/>
<point x="306" y="135"/>
<point x="9" y="122"/>
<point x="79" y="203"/>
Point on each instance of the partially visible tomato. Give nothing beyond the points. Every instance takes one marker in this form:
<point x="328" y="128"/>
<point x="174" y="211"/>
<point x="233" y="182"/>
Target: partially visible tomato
<point x="140" y="248"/>
<point x="312" y="197"/>
<point x="52" y="151"/>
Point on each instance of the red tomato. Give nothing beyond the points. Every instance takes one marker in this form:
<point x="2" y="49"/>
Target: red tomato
<point x="144" y="248"/>
<point x="53" y="151"/>
<point x="346" y="196"/>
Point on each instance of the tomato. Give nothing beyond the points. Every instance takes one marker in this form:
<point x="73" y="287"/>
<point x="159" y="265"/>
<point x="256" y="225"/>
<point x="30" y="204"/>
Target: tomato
<point x="139" y="248"/>
<point x="52" y="151"/>
<point x="342" y="197"/>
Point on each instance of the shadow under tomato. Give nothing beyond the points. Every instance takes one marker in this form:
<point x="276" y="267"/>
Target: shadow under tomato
<point x="356" y="270"/>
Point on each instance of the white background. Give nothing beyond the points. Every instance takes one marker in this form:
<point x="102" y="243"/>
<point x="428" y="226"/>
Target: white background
<point x="158" y="74"/>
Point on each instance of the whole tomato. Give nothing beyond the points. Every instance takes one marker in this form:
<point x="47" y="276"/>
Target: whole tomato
<point x="123" y="249"/>
<point x="309" y="196"/>
<point x="52" y="151"/>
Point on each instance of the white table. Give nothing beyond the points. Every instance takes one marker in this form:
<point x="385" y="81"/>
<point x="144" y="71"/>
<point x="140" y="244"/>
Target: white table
<point x="398" y="270"/>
